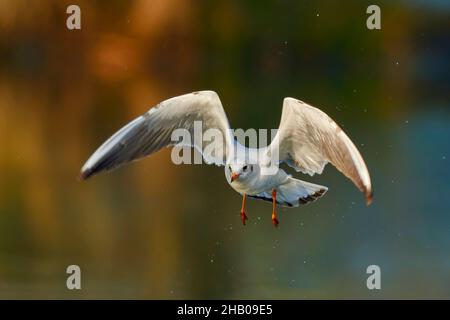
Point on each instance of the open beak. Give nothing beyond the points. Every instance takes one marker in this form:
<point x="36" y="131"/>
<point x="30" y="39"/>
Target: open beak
<point x="234" y="176"/>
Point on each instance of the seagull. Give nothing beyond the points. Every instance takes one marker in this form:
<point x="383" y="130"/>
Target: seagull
<point x="307" y="139"/>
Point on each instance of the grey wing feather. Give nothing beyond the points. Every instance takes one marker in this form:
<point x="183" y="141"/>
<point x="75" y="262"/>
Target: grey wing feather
<point x="153" y="130"/>
<point x="308" y="139"/>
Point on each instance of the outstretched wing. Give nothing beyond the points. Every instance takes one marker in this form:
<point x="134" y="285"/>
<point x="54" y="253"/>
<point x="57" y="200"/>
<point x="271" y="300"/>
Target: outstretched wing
<point x="308" y="139"/>
<point x="153" y="131"/>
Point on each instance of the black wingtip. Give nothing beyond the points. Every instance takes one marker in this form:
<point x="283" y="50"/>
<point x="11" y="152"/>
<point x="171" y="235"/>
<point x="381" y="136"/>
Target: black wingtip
<point x="369" y="198"/>
<point x="85" y="174"/>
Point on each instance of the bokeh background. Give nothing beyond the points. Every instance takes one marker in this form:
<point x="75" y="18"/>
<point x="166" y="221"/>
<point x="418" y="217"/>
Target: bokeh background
<point x="156" y="230"/>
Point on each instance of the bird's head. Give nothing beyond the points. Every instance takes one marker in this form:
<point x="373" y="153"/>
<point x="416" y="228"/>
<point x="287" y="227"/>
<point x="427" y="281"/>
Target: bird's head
<point x="240" y="171"/>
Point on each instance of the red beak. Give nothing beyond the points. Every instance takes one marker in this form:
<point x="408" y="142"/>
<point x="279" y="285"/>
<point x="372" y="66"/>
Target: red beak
<point x="234" y="176"/>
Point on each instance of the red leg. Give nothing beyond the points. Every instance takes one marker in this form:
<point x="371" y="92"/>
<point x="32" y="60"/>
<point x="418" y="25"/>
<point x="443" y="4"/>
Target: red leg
<point x="243" y="215"/>
<point x="275" y="221"/>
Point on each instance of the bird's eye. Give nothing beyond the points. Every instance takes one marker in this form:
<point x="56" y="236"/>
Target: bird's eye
<point x="245" y="168"/>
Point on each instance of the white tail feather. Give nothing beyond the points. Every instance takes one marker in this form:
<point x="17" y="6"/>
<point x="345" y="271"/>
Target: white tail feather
<point x="294" y="192"/>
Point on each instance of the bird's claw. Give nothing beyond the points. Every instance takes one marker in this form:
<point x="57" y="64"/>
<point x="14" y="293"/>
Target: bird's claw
<point x="243" y="217"/>
<point x="275" y="221"/>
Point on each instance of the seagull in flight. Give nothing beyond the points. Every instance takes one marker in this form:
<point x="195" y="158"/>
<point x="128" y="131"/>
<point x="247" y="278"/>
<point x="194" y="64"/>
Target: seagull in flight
<point x="307" y="139"/>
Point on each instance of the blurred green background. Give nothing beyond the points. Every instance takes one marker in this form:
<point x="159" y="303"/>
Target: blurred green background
<point x="156" y="230"/>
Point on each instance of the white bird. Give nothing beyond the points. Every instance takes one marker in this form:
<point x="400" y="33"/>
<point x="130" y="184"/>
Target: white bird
<point x="307" y="139"/>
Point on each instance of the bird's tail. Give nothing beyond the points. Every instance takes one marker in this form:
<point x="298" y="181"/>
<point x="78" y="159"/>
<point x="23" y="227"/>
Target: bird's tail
<point x="295" y="192"/>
